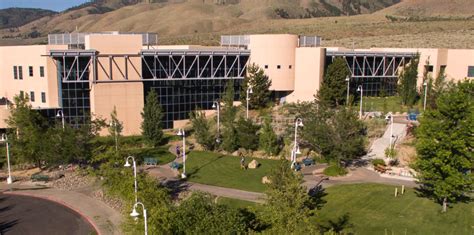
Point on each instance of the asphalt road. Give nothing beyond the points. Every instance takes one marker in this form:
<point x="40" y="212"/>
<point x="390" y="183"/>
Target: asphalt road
<point x="29" y="215"/>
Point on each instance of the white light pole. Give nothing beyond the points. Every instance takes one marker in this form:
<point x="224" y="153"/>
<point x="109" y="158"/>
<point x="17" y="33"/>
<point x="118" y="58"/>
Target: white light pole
<point x="249" y="91"/>
<point x="114" y="125"/>
<point x="348" y="82"/>
<point x="391" y="128"/>
<point x="5" y="139"/>
<point x="127" y="164"/>
<point x="183" y="134"/>
<point x="217" y="106"/>
<point x="296" y="149"/>
<point x="60" y="114"/>
<point x="136" y="214"/>
<point x="359" y="88"/>
<point x="424" y="101"/>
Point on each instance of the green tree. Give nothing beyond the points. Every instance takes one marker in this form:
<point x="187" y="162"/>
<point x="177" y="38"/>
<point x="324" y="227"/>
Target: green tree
<point x="247" y="136"/>
<point x="115" y="127"/>
<point x="288" y="206"/>
<point x="65" y="145"/>
<point x="229" y="112"/>
<point x="445" y="144"/>
<point x="435" y="88"/>
<point x="202" y="130"/>
<point x="268" y="139"/>
<point x="334" y="86"/>
<point x="152" y="117"/>
<point x="29" y="139"/>
<point x="260" y="84"/>
<point x="407" y="82"/>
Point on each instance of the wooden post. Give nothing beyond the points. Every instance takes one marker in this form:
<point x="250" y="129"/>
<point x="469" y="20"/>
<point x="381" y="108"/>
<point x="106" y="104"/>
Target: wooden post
<point x="396" y="192"/>
<point x="403" y="189"/>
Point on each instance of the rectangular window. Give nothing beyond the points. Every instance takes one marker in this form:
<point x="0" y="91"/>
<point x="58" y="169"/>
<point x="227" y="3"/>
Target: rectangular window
<point x="442" y="68"/>
<point x="429" y="68"/>
<point x="32" y="96"/>
<point x="20" y="72"/>
<point x="43" y="97"/>
<point x="289" y="66"/>
<point x="22" y="94"/>
<point x="266" y="66"/>
<point x="278" y="66"/>
<point x="30" y="71"/>
<point x="470" y="71"/>
<point x="15" y="72"/>
<point x="42" y="71"/>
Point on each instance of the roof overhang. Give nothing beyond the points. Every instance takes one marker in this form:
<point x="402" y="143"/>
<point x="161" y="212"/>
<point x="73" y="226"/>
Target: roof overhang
<point x="179" y="52"/>
<point x="72" y="53"/>
<point x="370" y="53"/>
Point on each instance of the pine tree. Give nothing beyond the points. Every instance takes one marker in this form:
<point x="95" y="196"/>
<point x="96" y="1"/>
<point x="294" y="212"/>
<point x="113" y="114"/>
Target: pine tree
<point x="152" y="117"/>
<point x="445" y="143"/>
<point x="202" y="130"/>
<point x="407" y="82"/>
<point x="116" y="126"/>
<point x="260" y="84"/>
<point x="247" y="136"/>
<point x="334" y="86"/>
<point x="229" y="112"/>
<point x="268" y="139"/>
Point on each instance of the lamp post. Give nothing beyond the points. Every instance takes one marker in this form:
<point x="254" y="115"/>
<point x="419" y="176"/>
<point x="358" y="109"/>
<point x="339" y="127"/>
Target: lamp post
<point x="296" y="149"/>
<point x="5" y="139"/>
<point x="183" y="134"/>
<point x="60" y="114"/>
<point x="390" y="117"/>
<point x="217" y="106"/>
<point x="359" y="88"/>
<point x="114" y="125"/>
<point x="127" y="164"/>
<point x="424" y="101"/>
<point x="348" y="83"/>
<point x="136" y="214"/>
<point x="249" y="91"/>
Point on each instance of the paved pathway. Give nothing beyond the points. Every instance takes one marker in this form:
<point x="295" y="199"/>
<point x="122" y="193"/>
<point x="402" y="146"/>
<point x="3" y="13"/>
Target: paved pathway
<point x="377" y="150"/>
<point x="105" y="219"/>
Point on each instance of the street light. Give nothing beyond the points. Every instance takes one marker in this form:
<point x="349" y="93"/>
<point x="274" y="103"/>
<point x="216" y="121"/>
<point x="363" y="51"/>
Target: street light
<point x="296" y="149"/>
<point x="135" y="214"/>
<point x="183" y="134"/>
<point x="217" y="106"/>
<point x="359" y="88"/>
<point x="390" y="117"/>
<point x="60" y="114"/>
<point x="426" y="89"/>
<point x="249" y="91"/>
<point x="348" y="82"/>
<point x="127" y="164"/>
<point x="5" y="139"/>
<point x="114" y="125"/>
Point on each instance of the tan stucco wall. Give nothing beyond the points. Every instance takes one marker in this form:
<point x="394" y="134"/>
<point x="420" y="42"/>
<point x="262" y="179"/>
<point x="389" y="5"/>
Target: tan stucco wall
<point x="309" y="72"/>
<point x="26" y="56"/>
<point x="458" y="61"/>
<point x="274" y="50"/>
<point x="4" y="114"/>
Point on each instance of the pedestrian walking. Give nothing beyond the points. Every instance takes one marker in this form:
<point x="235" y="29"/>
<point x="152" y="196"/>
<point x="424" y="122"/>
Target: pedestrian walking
<point x="178" y="152"/>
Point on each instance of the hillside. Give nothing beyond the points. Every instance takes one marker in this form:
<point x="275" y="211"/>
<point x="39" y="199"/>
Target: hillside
<point x="14" y="17"/>
<point x="203" y="21"/>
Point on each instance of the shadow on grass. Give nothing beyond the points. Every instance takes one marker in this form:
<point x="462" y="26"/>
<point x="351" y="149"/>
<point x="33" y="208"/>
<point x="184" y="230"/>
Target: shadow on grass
<point x="196" y="170"/>
<point x="338" y="226"/>
<point x="426" y="192"/>
<point x="176" y="187"/>
<point x="317" y="194"/>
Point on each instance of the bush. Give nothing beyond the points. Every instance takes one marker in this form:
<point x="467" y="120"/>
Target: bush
<point x="390" y="153"/>
<point x="377" y="162"/>
<point x="334" y="170"/>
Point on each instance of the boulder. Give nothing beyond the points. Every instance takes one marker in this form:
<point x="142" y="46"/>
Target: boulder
<point x="253" y="164"/>
<point x="265" y="180"/>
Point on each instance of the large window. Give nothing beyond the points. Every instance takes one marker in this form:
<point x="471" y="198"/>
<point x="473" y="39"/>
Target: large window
<point x="41" y="71"/>
<point x="20" y="72"/>
<point x="30" y="71"/>
<point x="32" y="96"/>
<point x="15" y="72"/>
<point x="43" y="97"/>
<point x="470" y="71"/>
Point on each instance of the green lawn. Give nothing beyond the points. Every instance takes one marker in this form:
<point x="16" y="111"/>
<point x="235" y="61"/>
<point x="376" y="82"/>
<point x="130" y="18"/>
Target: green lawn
<point x="393" y="104"/>
<point x="373" y="209"/>
<point x="236" y="203"/>
<point x="161" y="154"/>
<point x="220" y="170"/>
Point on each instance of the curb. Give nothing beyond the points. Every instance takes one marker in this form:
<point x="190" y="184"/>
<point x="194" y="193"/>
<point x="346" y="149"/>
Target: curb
<point x="49" y="198"/>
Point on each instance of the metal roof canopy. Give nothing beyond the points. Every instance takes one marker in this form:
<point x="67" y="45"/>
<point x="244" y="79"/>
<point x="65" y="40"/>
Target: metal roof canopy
<point x="371" y="53"/>
<point x="179" y="52"/>
<point x="72" y="53"/>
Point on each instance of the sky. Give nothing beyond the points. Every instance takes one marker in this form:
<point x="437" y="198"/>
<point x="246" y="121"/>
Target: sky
<point x="55" y="5"/>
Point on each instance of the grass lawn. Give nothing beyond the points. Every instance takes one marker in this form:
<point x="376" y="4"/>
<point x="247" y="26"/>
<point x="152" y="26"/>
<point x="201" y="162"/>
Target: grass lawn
<point x="393" y="104"/>
<point x="161" y="154"/>
<point x="373" y="209"/>
<point x="236" y="203"/>
<point x="220" y="170"/>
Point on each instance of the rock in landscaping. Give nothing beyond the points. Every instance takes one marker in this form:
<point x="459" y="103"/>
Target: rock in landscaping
<point x="253" y="164"/>
<point x="265" y="180"/>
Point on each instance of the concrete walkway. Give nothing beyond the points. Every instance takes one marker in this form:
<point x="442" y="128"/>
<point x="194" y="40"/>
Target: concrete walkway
<point x="377" y="150"/>
<point x="105" y="219"/>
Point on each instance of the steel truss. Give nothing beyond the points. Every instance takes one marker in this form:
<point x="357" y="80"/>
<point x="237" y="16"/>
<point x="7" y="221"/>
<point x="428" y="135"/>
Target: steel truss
<point x="186" y="64"/>
<point x="364" y="65"/>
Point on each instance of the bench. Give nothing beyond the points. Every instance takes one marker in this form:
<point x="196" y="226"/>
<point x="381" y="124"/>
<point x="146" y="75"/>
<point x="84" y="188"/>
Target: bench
<point x="175" y="165"/>
<point x="39" y="177"/>
<point x="149" y="161"/>
<point x="297" y="167"/>
<point x="381" y="169"/>
<point x="308" y="161"/>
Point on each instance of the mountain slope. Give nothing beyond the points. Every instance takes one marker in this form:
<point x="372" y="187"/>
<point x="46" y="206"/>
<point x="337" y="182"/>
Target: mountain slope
<point x="14" y="17"/>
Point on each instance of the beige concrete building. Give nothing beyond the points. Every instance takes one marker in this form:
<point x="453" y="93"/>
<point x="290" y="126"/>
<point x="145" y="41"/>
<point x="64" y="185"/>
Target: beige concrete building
<point x="87" y="75"/>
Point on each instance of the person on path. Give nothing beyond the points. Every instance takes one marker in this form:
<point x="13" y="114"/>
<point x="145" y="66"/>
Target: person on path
<point x="177" y="150"/>
<point x="242" y="163"/>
